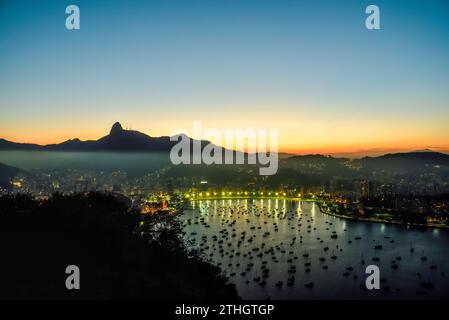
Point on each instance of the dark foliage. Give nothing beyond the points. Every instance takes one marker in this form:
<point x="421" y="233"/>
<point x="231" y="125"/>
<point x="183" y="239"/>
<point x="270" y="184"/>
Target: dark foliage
<point x="120" y="254"/>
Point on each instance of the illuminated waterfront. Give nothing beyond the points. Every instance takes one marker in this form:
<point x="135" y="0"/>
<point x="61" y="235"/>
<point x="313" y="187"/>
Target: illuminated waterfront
<point x="295" y="242"/>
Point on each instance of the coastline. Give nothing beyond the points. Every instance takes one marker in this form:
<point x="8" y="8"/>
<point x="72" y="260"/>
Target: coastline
<point x="328" y="212"/>
<point x="420" y="225"/>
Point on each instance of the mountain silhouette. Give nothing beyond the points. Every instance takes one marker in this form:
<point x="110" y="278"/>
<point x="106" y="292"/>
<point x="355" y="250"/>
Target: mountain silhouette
<point x="118" y="139"/>
<point x="116" y="129"/>
<point x="121" y="140"/>
<point x="409" y="162"/>
<point x="8" y="145"/>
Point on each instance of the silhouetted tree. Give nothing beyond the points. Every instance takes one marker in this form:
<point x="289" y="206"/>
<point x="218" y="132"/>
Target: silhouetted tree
<point x="121" y="255"/>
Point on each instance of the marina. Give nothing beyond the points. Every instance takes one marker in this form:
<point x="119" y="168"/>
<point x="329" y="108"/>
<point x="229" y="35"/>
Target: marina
<point x="283" y="249"/>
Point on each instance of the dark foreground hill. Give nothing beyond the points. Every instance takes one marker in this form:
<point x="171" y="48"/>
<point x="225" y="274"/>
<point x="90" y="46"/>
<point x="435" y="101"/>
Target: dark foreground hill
<point x="120" y="254"/>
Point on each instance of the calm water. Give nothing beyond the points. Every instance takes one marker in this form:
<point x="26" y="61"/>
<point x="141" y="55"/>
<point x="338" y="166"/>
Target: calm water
<point x="277" y="233"/>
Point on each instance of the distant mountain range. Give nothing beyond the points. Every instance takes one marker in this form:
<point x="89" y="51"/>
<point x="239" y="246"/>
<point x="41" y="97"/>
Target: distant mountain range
<point x="410" y="163"/>
<point x="118" y="139"/>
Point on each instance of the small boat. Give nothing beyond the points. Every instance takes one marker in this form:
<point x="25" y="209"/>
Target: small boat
<point x="309" y="285"/>
<point x="427" y="285"/>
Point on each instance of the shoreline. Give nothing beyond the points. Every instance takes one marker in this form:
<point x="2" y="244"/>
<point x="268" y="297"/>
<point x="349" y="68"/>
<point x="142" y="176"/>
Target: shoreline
<point x="420" y="225"/>
<point x="328" y="212"/>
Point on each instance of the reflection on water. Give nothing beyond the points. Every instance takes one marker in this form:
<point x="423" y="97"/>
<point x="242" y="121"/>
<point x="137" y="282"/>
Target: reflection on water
<point x="282" y="249"/>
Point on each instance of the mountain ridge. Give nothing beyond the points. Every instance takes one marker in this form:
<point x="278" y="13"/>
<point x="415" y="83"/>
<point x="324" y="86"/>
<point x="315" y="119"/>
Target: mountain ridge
<point x="120" y="139"/>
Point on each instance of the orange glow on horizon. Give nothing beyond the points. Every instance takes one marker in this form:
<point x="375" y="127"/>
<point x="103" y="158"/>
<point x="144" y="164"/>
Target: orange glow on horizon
<point x="311" y="136"/>
<point x="324" y="149"/>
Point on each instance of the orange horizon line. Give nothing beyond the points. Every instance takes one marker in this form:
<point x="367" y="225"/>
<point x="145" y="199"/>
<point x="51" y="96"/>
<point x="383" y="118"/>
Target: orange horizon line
<point x="308" y="151"/>
<point x="325" y="150"/>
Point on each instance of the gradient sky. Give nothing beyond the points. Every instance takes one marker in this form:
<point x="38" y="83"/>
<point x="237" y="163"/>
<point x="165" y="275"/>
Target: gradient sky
<point x="309" y="68"/>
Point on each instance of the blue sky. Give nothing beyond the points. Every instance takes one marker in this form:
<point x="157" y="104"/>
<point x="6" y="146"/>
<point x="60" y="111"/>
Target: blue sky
<point x="309" y="68"/>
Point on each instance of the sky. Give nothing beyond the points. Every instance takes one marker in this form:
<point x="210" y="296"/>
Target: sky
<point x="308" y="68"/>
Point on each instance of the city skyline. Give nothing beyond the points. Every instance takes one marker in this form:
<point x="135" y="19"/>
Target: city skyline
<point x="312" y="70"/>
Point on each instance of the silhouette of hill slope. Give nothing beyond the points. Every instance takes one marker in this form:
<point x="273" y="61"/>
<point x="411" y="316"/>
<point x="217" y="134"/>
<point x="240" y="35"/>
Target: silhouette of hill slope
<point x="121" y="255"/>
<point x="8" y="145"/>
<point x="323" y="167"/>
<point x="118" y="139"/>
<point x="6" y="174"/>
<point x="410" y="162"/>
<point x="429" y="157"/>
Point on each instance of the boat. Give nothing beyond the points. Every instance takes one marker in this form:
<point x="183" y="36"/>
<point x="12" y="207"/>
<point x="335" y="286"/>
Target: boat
<point x="427" y="285"/>
<point x="309" y="285"/>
